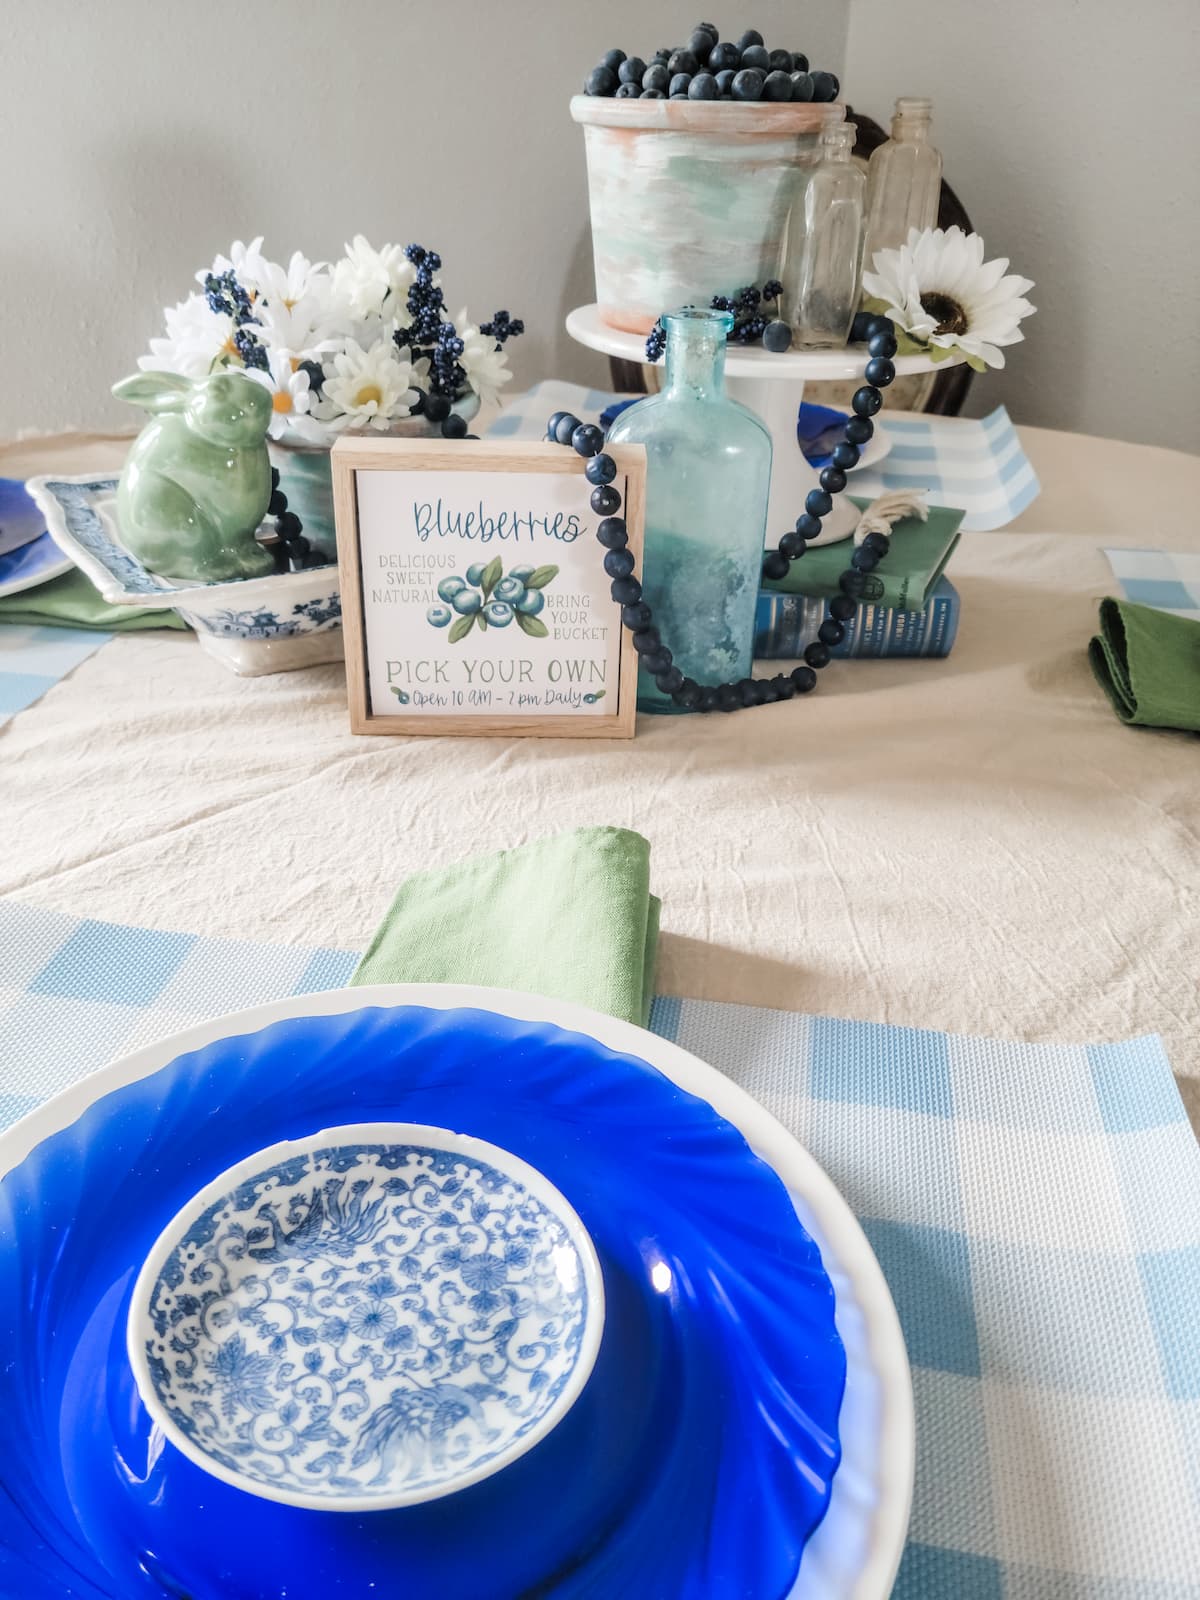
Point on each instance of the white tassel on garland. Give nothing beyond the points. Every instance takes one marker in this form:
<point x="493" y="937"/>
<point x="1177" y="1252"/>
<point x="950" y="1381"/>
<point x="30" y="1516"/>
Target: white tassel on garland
<point x="882" y="514"/>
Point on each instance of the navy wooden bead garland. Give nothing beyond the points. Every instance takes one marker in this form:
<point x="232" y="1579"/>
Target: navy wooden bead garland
<point x="293" y="553"/>
<point x="637" y="616"/>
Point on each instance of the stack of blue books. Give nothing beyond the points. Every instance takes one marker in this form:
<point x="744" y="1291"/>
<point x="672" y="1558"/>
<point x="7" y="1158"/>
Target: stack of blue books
<point x="785" y="623"/>
<point x="909" y="607"/>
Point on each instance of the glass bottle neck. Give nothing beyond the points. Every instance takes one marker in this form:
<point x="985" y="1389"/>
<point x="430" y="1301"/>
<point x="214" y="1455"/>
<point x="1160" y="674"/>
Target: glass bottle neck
<point x="910" y="121"/>
<point x="696" y="354"/>
<point x="837" y="143"/>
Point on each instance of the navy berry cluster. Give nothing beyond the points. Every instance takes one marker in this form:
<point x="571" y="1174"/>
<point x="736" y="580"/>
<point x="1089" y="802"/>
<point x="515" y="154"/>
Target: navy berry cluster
<point x="750" y="324"/>
<point x="226" y="297"/>
<point x="636" y="614"/>
<point x="708" y="69"/>
<point x="432" y="336"/>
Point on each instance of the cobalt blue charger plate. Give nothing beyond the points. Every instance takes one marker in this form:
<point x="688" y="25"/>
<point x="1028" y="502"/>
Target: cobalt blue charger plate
<point x="696" y="1463"/>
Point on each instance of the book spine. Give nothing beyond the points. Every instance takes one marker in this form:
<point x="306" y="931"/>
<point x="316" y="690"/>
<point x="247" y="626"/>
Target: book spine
<point x="786" y="623"/>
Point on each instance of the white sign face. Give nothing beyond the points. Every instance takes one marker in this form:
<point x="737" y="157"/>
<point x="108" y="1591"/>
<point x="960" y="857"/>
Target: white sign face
<point x="484" y="594"/>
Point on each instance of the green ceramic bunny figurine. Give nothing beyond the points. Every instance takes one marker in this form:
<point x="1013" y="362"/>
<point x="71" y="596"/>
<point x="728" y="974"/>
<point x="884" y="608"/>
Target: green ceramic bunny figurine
<point x="197" y="481"/>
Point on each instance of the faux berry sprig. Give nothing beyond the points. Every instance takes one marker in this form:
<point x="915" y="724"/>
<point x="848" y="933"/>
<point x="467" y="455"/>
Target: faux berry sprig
<point x="749" y="323"/>
<point x="432" y="336"/>
<point x="227" y="297"/>
<point x="707" y="69"/>
<point x="636" y="615"/>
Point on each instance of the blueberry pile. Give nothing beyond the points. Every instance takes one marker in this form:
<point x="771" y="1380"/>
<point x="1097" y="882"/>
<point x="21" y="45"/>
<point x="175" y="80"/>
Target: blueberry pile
<point x="707" y="69"/>
<point x="490" y="599"/>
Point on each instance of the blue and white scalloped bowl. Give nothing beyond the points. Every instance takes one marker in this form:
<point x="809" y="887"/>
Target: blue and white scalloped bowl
<point x="372" y="1317"/>
<point x="253" y="625"/>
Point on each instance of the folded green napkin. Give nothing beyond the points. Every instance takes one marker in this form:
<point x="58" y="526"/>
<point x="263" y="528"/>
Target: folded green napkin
<point x="72" y="601"/>
<point x="1148" y="664"/>
<point x="570" y="917"/>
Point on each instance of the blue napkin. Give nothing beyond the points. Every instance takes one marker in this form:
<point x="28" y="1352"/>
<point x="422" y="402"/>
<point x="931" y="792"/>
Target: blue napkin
<point x="819" y="430"/>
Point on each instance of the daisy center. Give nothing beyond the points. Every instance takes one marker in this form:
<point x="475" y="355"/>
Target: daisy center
<point x="281" y="400"/>
<point x="951" y="318"/>
<point x="369" y="392"/>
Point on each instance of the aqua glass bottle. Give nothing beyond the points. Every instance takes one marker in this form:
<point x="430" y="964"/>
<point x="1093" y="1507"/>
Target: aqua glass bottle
<point x="708" y="474"/>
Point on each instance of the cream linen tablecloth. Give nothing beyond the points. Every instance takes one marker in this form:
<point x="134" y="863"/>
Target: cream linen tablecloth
<point x="975" y="844"/>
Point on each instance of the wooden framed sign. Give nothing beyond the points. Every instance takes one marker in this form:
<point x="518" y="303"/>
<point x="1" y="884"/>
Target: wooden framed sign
<point x="474" y="596"/>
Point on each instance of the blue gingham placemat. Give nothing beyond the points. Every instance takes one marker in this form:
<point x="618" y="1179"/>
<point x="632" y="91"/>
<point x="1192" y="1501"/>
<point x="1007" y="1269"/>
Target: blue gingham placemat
<point x="1166" y="579"/>
<point x="1036" y="1209"/>
<point x="978" y="466"/>
<point x="34" y="658"/>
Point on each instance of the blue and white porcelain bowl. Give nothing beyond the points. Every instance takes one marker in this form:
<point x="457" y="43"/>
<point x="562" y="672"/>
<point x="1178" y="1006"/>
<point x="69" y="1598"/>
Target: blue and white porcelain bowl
<point x="253" y="625"/>
<point x="375" y="1316"/>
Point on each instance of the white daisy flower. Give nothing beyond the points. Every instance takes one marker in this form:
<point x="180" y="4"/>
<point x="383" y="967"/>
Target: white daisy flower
<point x="245" y="261"/>
<point x="303" y="328"/>
<point x="197" y="339"/>
<point x="292" y="399"/>
<point x="367" y="388"/>
<point x="365" y="277"/>
<point x="483" y="360"/>
<point x="938" y="290"/>
<point x="299" y="280"/>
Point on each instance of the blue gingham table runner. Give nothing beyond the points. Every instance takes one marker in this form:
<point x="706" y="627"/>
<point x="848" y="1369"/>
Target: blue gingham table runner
<point x="34" y="658"/>
<point x="1036" y="1209"/>
<point x="1166" y="579"/>
<point x="978" y="466"/>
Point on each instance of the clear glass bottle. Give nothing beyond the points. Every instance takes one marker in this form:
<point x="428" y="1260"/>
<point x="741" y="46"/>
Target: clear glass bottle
<point x="708" y="475"/>
<point x="904" y="180"/>
<point x="823" y="261"/>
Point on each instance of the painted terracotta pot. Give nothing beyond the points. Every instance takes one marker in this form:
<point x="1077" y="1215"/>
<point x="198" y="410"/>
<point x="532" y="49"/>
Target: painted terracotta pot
<point x="690" y="198"/>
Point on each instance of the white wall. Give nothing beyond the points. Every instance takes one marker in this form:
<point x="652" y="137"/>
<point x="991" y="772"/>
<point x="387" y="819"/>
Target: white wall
<point x="139" y="137"/>
<point x="1071" y="132"/>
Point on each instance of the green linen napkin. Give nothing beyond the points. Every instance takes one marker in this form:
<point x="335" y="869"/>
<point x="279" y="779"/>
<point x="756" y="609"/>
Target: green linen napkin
<point x="570" y="917"/>
<point x="1148" y="664"/>
<point x="72" y="601"/>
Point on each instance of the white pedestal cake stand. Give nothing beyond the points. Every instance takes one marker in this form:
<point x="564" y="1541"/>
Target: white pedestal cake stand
<point x="772" y="386"/>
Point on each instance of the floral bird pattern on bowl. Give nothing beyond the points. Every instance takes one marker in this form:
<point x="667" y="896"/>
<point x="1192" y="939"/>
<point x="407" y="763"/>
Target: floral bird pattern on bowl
<point x="373" y="1317"/>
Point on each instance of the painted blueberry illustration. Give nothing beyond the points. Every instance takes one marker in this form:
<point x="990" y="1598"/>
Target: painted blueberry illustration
<point x="439" y="616"/>
<point x="511" y="589"/>
<point x="466" y="601"/>
<point x="449" y="587"/>
<point x="522" y="574"/>
<point x="531" y="602"/>
<point x="475" y="573"/>
<point x="499" y="613"/>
